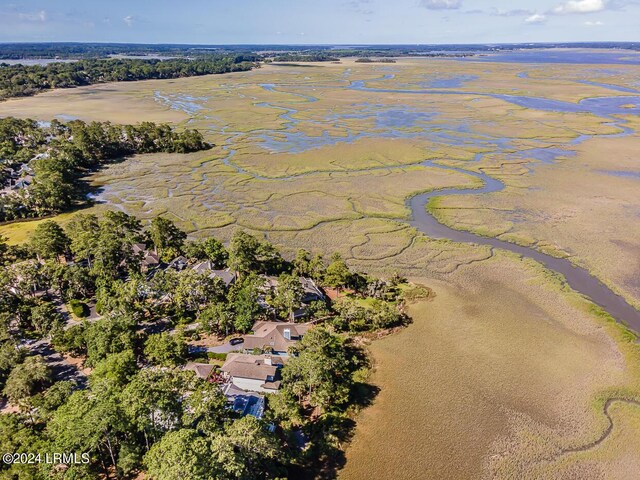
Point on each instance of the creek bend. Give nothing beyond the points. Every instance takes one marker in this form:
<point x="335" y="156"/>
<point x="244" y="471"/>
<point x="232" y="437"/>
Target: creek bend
<point x="578" y="278"/>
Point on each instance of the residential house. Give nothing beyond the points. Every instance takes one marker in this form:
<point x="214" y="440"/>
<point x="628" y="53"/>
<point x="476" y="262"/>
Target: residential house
<point x="254" y="373"/>
<point x="243" y="402"/>
<point x="202" y="370"/>
<point x="240" y="401"/>
<point x="310" y="293"/>
<point x="208" y="268"/>
<point x="179" y="263"/>
<point x="150" y="259"/>
<point x="275" y="336"/>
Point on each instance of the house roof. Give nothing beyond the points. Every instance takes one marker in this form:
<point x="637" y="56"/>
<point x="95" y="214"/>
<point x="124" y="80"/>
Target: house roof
<point x="249" y="366"/>
<point x="202" y="370"/>
<point x="310" y="290"/>
<point x="138" y="247"/>
<point x="149" y="258"/>
<point x="208" y="268"/>
<point x="272" y="334"/>
<point x="178" y="263"/>
<point x="243" y="402"/>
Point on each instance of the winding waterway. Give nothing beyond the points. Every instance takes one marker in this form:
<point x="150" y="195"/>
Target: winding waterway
<point x="576" y="277"/>
<point x="391" y="121"/>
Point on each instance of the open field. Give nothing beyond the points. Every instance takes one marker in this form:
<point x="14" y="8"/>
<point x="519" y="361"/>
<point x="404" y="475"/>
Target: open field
<point x="495" y="377"/>
<point x="503" y="370"/>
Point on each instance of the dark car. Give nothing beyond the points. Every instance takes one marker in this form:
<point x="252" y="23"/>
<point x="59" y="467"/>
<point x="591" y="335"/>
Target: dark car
<point x="236" y="341"/>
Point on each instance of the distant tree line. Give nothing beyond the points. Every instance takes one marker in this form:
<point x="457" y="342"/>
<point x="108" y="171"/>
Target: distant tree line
<point x="375" y="60"/>
<point x="21" y="80"/>
<point x="306" y="57"/>
<point x="57" y="157"/>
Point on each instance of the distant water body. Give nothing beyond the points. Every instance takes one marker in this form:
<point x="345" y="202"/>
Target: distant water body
<point x="573" y="56"/>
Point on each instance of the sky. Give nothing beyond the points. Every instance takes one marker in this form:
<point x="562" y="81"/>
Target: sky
<point x="319" y="21"/>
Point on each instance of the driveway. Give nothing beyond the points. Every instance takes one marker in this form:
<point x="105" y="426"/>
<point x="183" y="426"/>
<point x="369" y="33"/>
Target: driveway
<point x="225" y="348"/>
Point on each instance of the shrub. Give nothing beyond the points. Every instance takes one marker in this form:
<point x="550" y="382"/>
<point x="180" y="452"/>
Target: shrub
<point x="79" y="309"/>
<point x="217" y="356"/>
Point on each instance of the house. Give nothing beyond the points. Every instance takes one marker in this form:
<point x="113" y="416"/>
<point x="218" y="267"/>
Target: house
<point x="202" y="370"/>
<point x="255" y="373"/>
<point x="243" y="402"/>
<point x="275" y="336"/>
<point x="23" y="182"/>
<point x="179" y="263"/>
<point x="149" y="258"/>
<point x="208" y="268"/>
<point x="310" y="293"/>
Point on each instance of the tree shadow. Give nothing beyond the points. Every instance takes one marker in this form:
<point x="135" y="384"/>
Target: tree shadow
<point x="329" y="436"/>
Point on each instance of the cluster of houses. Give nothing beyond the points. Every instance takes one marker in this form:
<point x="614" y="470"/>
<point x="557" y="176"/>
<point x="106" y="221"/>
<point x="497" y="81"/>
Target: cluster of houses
<point x="245" y="376"/>
<point x="253" y="361"/>
<point x="151" y="263"/>
<point x="15" y="180"/>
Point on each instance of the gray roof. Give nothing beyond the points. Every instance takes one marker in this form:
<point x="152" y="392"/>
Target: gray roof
<point x="248" y="366"/>
<point x="208" y="268"/>
<point x="243" y="402"/>
<point x="202" y="370"/>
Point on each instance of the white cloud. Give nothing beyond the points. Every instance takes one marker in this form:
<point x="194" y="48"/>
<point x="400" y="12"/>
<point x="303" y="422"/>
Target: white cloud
<point x="597" y="23"/>
<point x="128" y="20"/>
<point x="40" y="16"/>
<point x="536" y="18"/>
<point x="441" y="4"/>
<point x="580" y="6"/>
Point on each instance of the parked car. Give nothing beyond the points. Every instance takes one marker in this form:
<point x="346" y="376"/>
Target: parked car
<point x="236" y="341"/>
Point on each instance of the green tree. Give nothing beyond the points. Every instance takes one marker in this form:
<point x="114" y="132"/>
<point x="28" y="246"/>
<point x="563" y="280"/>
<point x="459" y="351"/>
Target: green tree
<point x="181" y="455"/>
<point x="72" y="340"/>
<point x="167" y="239"/>
<point x="49" y="240"/>
<point x="91" y="422"/>
<point x="247" y="450"/>
<point x="205" y="408"/>
<point x="83" y="230"/>
<point x="321" y="371"/>
<point x="166" y="349"/>
<point x="10" y="356"/>
<point x="78" y="283"/>
<point x="4" y="249"/>
<point x="20" y="437"/>
<point x="318" y="268"/>
<point x="302" y="263"/>
<point x="337" y="274"/>
<point x="244" y="300"/>
<point x="287" y="296"/>
<point x="248" y="254"/>
<point x="44" y="318"/>
<point x="208" y="249"/>
<point x="115" y="369"/>
<point x="216" y="318"/>
<point x="195" y="291"/>
<point x="243" y="252"/>
<point x="26" y="379"/>
<point x="153" y="402"/>
<point x="109" y="335"/>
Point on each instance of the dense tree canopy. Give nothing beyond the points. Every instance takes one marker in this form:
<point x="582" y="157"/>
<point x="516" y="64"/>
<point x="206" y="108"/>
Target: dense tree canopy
<point x="52" y="159"/>
<point x="136" y="410"/>
<point x="21" y="80"/>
